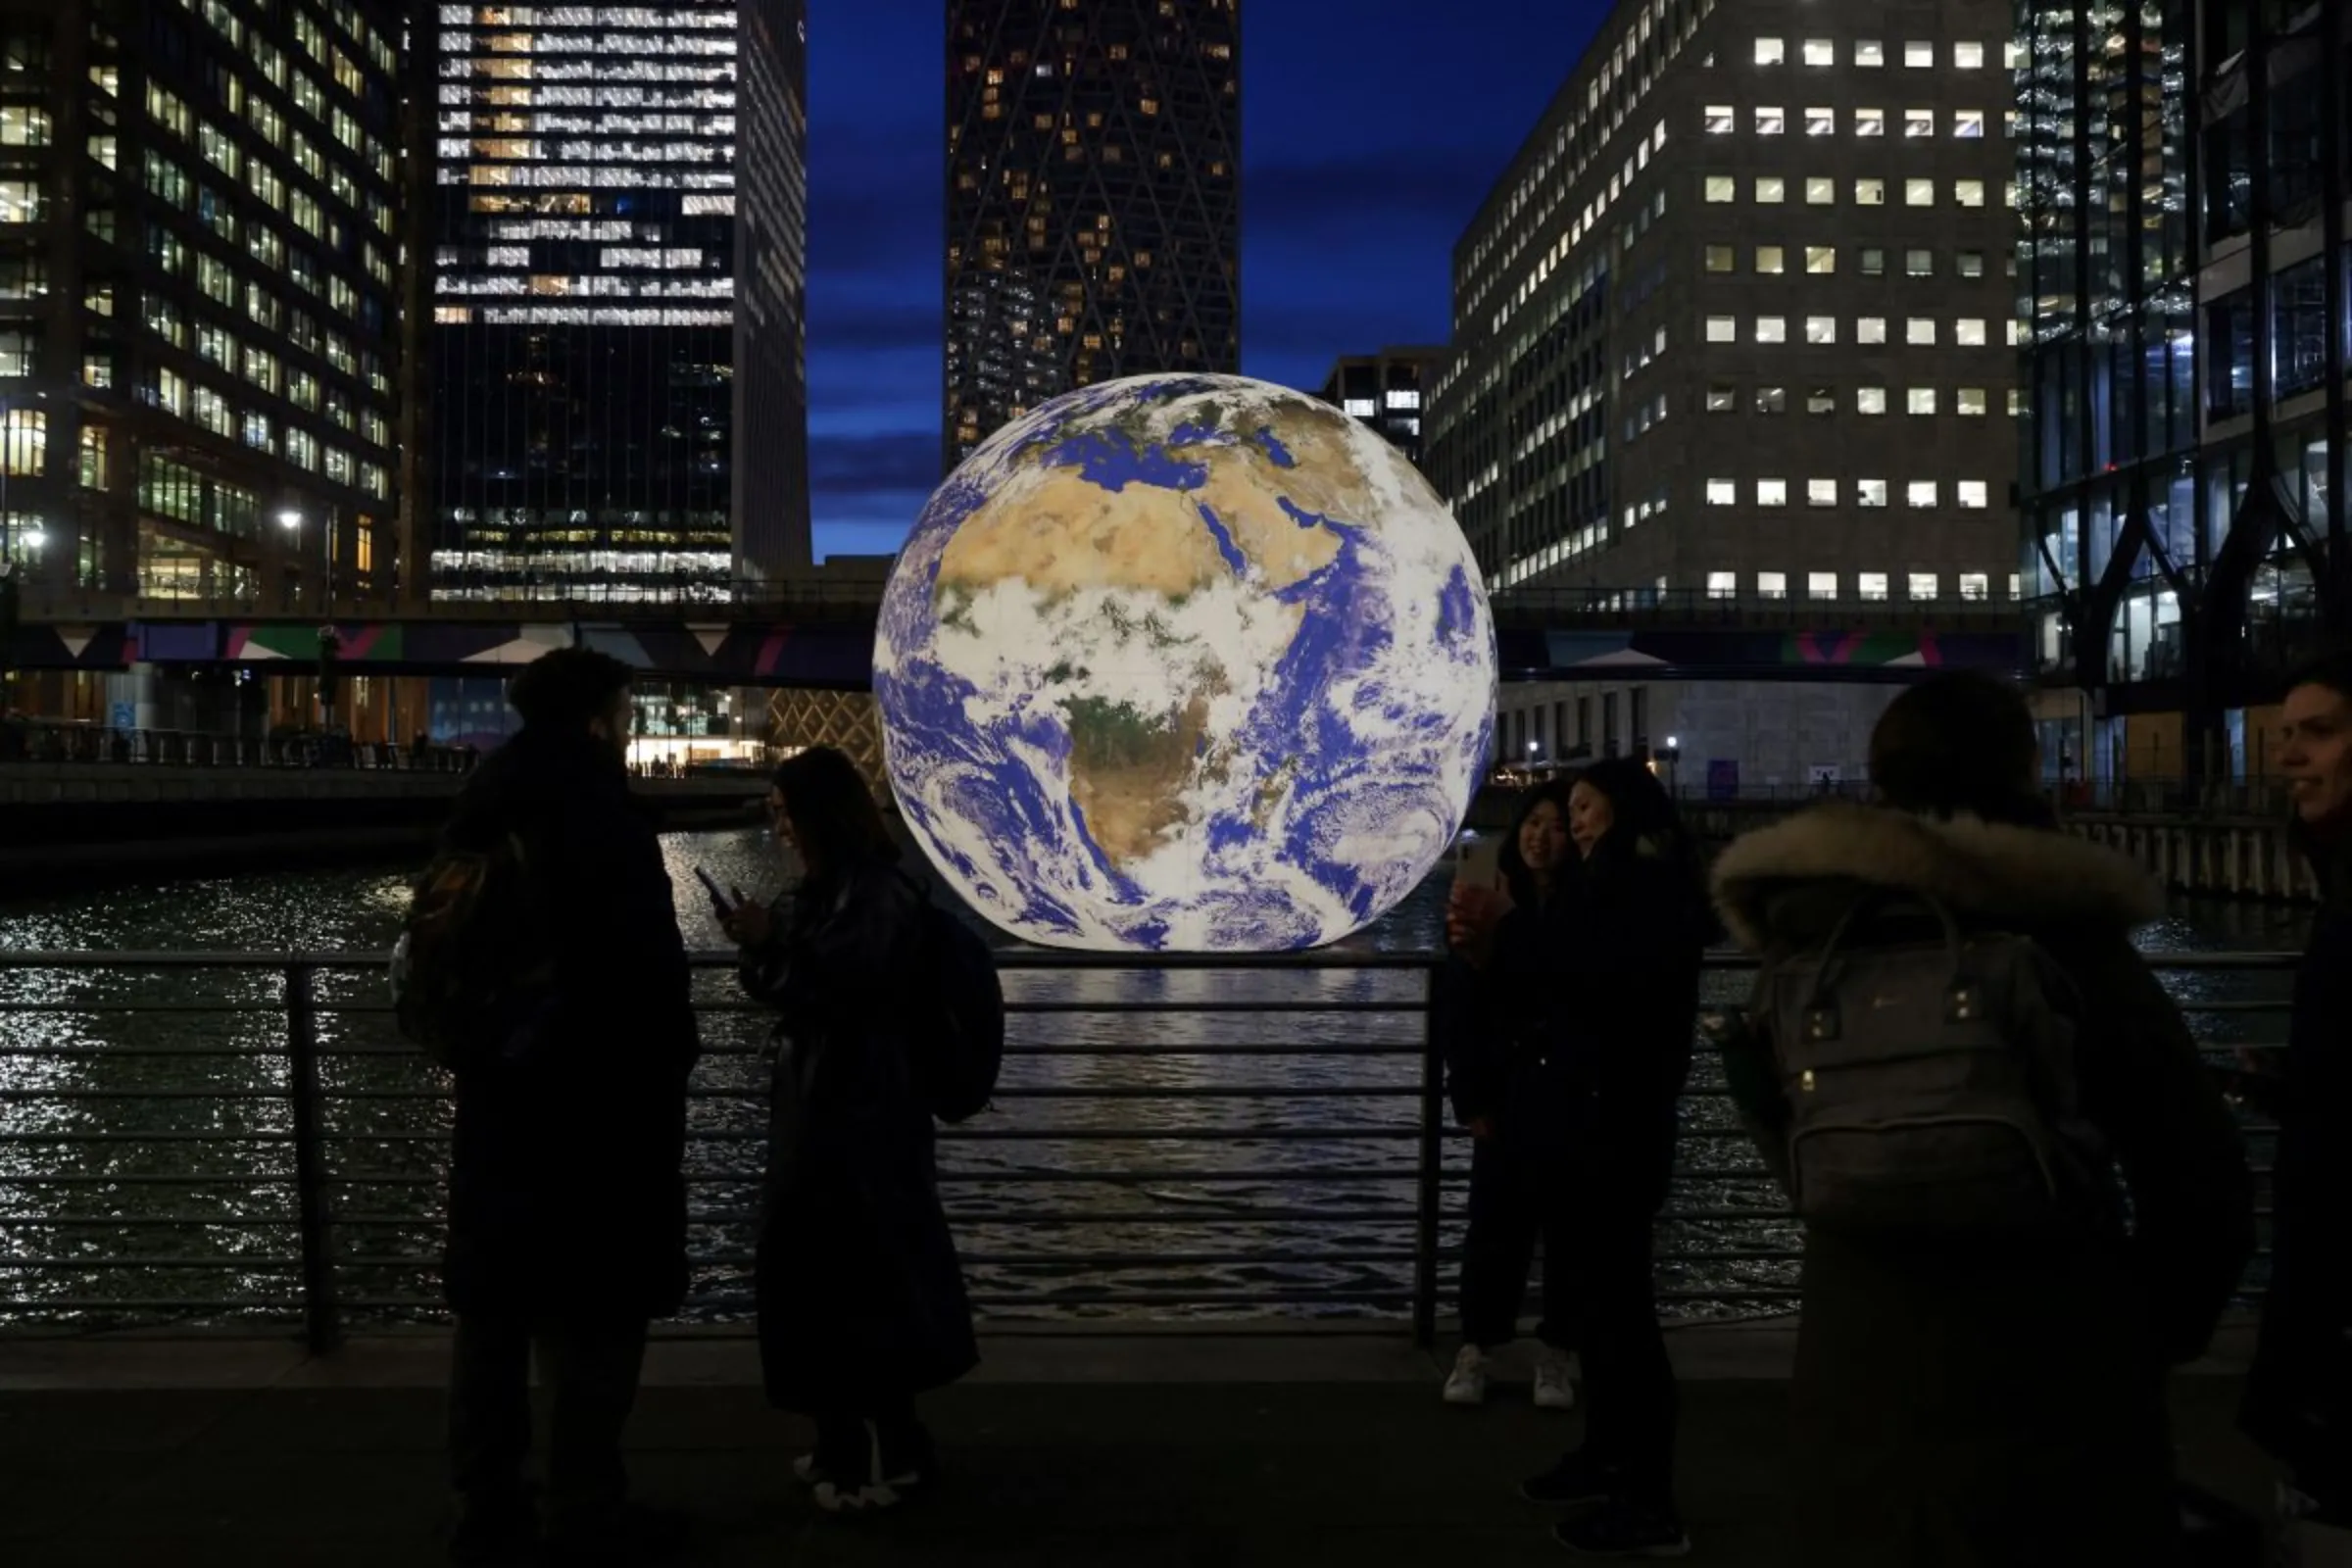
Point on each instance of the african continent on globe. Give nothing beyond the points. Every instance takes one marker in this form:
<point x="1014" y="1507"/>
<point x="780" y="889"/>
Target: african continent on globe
<point x="1185" y="663"/>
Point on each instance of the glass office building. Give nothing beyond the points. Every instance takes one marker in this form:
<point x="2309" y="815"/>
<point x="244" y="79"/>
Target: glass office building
<point x="1093" y="199"/>
<point x="617" y="396"/>
<point x="197" y="366"/>
<point x="2181" y="276"/>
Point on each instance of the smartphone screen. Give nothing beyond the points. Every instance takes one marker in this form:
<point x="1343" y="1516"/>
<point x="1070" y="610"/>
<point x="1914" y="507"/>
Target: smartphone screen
<point x="718" y="900"/>
<point x="1478" y="861"/>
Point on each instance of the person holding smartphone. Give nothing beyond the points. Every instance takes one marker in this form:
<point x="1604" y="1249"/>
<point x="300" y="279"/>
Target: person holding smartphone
<point x="1497" y="996"/>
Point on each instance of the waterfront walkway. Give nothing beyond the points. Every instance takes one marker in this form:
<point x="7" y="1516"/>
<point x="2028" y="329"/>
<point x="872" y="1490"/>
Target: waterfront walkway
<point x="1069" y="1450"/>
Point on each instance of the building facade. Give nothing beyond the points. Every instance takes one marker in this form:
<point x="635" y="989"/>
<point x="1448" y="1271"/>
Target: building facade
<point x="2182" y="273"/>
<point x="617" y="398"/>
<point x="198" y="361"/>
<point x="1386" y="391"/>
<point x="1094" y="200"/>
<point x="1735" y="327"/>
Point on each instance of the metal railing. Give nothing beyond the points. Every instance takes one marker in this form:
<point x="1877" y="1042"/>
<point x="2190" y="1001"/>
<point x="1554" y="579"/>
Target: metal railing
<point x="262" y="1118"/>
<point x="47" y="741"/>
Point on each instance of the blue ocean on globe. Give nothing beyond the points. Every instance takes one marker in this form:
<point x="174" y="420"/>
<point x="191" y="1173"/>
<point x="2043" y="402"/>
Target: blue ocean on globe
<point x="1185" y="663"/>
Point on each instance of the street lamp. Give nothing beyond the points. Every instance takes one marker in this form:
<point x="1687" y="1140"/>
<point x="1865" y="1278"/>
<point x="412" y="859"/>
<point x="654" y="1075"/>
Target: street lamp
<point x="1670" y="754"/>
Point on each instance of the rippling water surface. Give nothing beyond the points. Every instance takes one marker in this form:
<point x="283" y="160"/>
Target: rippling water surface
<point x="1158" y="1162"/>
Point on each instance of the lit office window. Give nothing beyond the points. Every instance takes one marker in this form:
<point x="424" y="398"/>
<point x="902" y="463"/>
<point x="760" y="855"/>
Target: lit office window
<point x="1820" y="585"/>
<point x="1821" y="399"/>
<point x="1821" y="260"/>
<point x="1968" y="125"/>
<point x="1967" y="192"/>
<point x="1920" y="332"/>
<point x="1923" y="587"/>
<point x="1973" y="495"/>
<point x="1771" y="121"/>
<point x="1919" y="124"/>
<point x="1919" y="55"/>
<point x="1976" y="586"/>
<point x="1821" y="330"/>
<point x="1969" y="264"/>
<point x="1770" y="190"/>
<point x="1970" y="402"/>
<point x="1869" y="492"/>
<point x="1722" y="398"/>
<point x="1772" y="329"/>
<point x="1870" y="329"/>
<point x="1821" y="492"/>
<point x="1721" y="258"/>
<point x="1723" y="329"/>
<point x="1722" y="188"/>
<point x="1869" y="52"/>
<point x="1821" y="192"/>
<point x="1870" y="399"/>
<point x="1969" y="332"/>
<point x="1920" y="494"/>
<point x="1772" y="492"/>
<point x="1869" y="194"/>
<point x="1720" y="119"/>
<point x="1874" y="261"/>
<point x="1820" y="122"/>
<point x="1870" y="122"/>
<point x="1919" y="263"/>
<point x="1723" y="492"/>
<point x="1772" y="400"/>
<point x="1967" y="56"/>
<point x="1919" y="400"/>
<point x="1771" y="52"/>
<point x="1723" y="585"/>
<point x="1871" y="586"/>
<point x="1820" y="52"/>
<point x="1771" y="260"/>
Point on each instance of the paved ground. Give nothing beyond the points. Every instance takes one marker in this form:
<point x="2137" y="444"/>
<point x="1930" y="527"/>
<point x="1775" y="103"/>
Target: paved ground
<point x="1071" y="1452"/>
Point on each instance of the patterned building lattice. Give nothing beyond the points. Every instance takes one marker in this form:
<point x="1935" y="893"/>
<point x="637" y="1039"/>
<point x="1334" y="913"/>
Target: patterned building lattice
<point x="847" y="721"/>
<point x="1093" y="199"/>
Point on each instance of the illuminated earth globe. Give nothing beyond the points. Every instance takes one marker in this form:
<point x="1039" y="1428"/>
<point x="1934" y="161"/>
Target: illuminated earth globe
<point x="1185" y="663"/>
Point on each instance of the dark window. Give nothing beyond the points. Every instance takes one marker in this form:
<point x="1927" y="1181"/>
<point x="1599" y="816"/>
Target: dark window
<point x="2299" y="327"/>
<point x="2229" y="367"/>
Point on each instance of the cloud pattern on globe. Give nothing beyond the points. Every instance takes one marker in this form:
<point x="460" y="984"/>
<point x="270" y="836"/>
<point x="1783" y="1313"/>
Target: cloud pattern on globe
<point x="1185" y="663"/>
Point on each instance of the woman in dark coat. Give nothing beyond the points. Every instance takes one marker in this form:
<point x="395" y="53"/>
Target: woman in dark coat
<point x="1496" y="1000"/>
<point x="1625" y="949"/>
<point x="2001" y="1405"/>
<point x="860" y="1298"/>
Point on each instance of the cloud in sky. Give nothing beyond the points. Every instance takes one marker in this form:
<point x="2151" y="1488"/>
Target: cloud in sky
<point x="1366" y="148"/>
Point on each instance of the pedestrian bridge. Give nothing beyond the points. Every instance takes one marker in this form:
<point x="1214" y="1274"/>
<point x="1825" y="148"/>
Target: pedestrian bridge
<point x="820" y="634"/>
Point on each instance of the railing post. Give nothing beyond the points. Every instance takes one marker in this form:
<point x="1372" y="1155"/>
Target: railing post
<point x="320" y="1325"/>
<point x="1431" y="1170"/>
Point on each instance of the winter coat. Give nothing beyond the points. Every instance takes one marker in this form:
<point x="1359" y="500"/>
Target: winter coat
<point x="567" y="1195"/>
<point x="2299" y="1394"/>
<point x="1580" y="1027"/>
<point x="2002" y="1405"/>
<point x="860" y="1295"/>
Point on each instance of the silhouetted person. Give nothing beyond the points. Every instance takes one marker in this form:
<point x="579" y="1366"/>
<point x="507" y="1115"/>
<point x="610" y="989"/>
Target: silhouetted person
<point x="1632" y="931"/>
<point x="2299" y="1396"/>
<point x="861" y="1298"/>
<point x="1994" y="1394"/>
<point x="567" y="1200"/>
<point x="1500" y="997"/>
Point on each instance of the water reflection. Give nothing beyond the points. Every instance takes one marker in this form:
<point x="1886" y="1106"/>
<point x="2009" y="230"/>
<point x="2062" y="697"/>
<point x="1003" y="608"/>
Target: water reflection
<point x="146" y="1161"/>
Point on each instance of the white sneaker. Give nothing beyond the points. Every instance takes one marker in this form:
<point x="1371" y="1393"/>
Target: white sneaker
<point x="1467" y="1383"/>
<point x="1554" y="1391"/>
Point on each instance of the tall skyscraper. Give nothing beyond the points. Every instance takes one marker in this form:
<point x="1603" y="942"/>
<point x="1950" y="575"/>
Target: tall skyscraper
<point x="197" y="365"/>
<point x="1735" y="325"/>
<point x="617" y="397"/>
<point x="1093" y="199"/>
<point x="2187" y="293"/>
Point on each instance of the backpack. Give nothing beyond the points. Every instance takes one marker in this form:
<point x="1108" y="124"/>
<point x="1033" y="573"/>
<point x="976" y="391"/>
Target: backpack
<point x="471" y="962"/>
<point x="1931" y="1084"/>
<point x="960" y="1046"/>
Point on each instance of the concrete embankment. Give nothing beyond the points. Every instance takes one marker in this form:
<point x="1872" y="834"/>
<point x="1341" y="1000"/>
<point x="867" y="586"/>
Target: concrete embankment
<point x="81" y="824"/>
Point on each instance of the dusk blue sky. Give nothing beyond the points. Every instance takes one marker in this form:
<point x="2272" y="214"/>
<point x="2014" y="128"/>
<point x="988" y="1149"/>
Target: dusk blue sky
<point x="1371" y="130"/>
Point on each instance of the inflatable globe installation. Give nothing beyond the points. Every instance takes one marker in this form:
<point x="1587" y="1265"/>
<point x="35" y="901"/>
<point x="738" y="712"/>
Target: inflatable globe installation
<point x="1185" y="663"/>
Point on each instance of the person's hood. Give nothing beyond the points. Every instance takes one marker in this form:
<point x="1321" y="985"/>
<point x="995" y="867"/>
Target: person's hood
<point x="1769" y="884"/>
<point x="530" y="773"/>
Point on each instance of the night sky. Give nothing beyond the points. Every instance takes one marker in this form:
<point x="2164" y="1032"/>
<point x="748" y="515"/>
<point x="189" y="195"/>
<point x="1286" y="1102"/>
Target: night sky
<point x="1371" y="131"/>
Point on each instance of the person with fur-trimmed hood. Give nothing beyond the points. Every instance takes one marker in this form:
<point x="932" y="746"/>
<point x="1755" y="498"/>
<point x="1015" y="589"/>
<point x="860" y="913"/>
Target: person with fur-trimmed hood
<point x="1998" y="1405"/>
